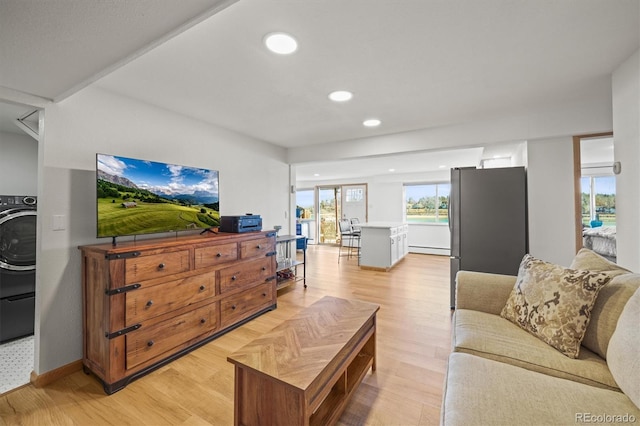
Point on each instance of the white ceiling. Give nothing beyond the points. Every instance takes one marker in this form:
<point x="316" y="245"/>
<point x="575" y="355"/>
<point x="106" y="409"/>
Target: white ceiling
<point x="414" y="64"/>
<point x="52" y="48"/>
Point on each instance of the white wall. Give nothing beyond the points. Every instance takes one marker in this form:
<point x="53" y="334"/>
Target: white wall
<point x="385" y="202"/>
<point x="520" y="158"/>
<point x="253" y="178"/>
<point x="429" y="239"/>
<point x="19" y="164"/>
<point x="626" y="133"/>
<point x="551" y="199"/>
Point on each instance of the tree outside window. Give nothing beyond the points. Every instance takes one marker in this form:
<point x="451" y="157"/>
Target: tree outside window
<point x="427" y="203"/>
<point x="598" y="199"/>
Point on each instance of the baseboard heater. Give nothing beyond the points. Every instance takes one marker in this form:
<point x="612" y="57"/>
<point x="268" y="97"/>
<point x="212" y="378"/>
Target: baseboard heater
<point x="443" y="251"/>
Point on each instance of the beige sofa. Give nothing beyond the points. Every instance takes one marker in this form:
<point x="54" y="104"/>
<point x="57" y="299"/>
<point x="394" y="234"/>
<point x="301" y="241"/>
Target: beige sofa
<point x="500" y="374"/>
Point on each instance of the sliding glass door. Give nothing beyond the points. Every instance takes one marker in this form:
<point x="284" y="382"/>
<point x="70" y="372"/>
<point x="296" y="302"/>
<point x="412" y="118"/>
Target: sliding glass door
<point x="329" y="211"/>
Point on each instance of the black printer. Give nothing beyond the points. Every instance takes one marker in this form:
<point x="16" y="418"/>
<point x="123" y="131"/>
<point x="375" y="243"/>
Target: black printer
<point x="238" y="224"/>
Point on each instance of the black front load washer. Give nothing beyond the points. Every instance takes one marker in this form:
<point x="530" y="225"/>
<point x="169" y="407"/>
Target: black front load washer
<point x="17" y="266"/>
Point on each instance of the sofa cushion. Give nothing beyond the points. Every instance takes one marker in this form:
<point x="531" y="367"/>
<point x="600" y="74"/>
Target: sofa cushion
<point x="606" y="311"/>
<point x="493" y="337"/>
<point x="479" y="391"/>
<point x="623" y="354"/>
<point x="554" y="303"/>
<point x="483" y="291"/>
<point x="589" y="260"/>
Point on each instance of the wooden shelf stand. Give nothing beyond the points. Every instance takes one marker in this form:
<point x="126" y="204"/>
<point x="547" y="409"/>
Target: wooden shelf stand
<point x="287" y="262"/>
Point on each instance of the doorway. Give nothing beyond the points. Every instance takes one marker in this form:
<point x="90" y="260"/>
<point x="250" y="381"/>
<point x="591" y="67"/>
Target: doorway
<point x="354" y="202"/>
<point x="19" y="144"/>
<point x="595" y="193"/>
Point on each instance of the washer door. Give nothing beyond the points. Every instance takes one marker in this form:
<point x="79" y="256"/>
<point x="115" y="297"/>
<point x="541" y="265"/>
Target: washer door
<point x="18" y="239"/>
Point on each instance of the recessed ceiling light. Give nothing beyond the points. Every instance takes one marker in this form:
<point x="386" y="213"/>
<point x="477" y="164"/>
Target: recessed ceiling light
<point x="392" y="170"/>
<point x="372" y="122"/>
<point x="316" y="174"/>
<point x="281" y="43"/>
<point x="340" y="96"/>
<point x="442" y="166"/>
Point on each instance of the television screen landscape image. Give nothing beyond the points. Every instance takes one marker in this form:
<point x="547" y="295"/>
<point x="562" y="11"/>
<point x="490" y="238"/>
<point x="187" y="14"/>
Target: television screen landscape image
<point x="142" y="197"/>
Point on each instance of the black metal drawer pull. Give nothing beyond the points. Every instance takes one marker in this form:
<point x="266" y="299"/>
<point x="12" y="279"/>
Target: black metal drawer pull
<point x="121" y="289"/>
<point x="121" y="332"/>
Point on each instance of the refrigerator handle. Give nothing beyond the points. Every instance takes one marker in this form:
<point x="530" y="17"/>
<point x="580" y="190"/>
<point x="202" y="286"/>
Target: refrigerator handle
<point x="454" y="212"/>
<point x="449" y="212"/>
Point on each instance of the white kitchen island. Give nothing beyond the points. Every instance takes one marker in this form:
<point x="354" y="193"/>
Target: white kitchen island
<point x="383" y="244"/>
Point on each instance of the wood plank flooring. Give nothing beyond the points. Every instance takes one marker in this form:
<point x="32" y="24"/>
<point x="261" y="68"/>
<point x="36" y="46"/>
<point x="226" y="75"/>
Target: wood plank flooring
<point x="413" y="344"/>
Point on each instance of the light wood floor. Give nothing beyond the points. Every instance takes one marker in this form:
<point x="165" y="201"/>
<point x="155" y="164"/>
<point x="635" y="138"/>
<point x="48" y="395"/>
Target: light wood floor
<point x="413" y="345"/>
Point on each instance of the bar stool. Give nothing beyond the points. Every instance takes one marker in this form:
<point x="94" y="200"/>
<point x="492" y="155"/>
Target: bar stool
<point x="356" y="230"/>
<point x="350" y="240"/>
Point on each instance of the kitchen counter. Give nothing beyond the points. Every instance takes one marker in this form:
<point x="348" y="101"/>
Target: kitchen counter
<point x="383" y="244"/>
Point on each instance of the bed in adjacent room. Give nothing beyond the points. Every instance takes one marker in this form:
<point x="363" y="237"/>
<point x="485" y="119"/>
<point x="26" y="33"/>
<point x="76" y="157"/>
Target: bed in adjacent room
<point x="602" y="240"/>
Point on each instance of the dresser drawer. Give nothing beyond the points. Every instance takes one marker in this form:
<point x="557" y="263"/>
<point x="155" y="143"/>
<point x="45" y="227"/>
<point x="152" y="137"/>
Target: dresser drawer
<point x="155" y="266"/>
<point x="256" y="248"/>
<point x="239" y="306"/>
<point x="215" y="255"/>
<point x="247" y="273"/>
<point x="148" y="302"/>
<point x="149" y="342"/>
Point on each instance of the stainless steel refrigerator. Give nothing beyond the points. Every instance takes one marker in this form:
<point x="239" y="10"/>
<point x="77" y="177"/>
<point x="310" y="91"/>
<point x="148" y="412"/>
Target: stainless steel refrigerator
<point x="488" y="221"/>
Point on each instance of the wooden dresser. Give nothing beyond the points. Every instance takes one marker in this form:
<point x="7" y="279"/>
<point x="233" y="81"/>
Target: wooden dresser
<point x="148" y="302"/>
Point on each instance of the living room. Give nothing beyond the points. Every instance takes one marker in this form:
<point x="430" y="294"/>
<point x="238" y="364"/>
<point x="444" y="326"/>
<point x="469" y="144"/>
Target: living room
<point x="256" y="175"/>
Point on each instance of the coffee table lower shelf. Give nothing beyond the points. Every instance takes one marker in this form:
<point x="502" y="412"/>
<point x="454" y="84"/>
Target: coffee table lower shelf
<point x="331" y="408"/>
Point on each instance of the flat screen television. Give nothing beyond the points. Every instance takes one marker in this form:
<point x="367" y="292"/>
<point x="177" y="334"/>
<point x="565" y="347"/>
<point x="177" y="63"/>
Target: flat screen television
<point x="137" y="197"/>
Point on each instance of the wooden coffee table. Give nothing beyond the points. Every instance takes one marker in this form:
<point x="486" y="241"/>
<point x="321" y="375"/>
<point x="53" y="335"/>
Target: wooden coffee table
<point x="304" y="371"/>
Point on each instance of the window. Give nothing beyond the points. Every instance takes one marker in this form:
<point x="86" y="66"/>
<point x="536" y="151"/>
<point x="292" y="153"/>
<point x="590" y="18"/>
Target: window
<point x="427" y="203"/>
<point x="598" y="199"/>
<point x="354" y="195"/>
<point x="304" y="204"/>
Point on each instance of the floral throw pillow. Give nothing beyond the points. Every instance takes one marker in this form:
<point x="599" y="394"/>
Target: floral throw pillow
<point x="554" y="303"/>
